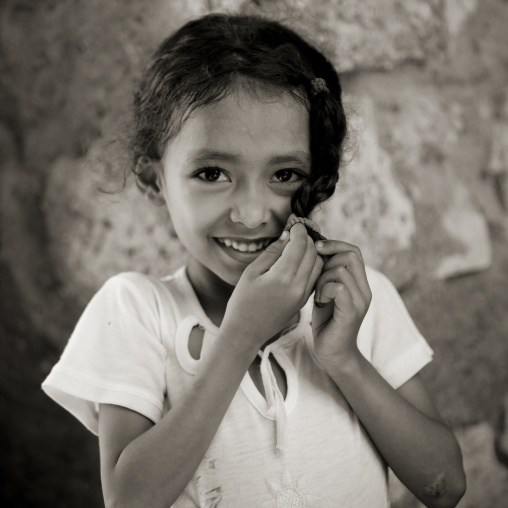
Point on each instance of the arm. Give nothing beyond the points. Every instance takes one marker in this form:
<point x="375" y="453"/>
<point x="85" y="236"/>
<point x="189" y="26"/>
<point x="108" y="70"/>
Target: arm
<point x="404" y="425"/>
<point x="406" y="428"/>
<point x="150" y="465"/>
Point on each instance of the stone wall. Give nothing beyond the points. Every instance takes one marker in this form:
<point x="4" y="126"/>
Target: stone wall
<point x="425" y="195"/>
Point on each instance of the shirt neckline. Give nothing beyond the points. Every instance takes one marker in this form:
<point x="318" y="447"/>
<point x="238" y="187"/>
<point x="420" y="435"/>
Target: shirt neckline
<point x="196" y="315"/>
<point x="288" y="335"/>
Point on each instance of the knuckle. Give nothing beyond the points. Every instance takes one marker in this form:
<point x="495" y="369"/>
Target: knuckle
<point x="352" y="255"/>
<point x="340" y="269"/>
<point x="285" y="281"/>
<point x="357" y="251"/>
<point x="327" y="277"/>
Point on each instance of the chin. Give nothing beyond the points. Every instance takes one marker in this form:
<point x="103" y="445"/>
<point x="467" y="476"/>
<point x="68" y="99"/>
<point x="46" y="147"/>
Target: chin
<point x="231" y="278"/>
<point x="225" y="274"/>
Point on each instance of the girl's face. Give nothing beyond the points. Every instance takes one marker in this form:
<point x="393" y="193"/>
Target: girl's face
<point x="229" y="176"/>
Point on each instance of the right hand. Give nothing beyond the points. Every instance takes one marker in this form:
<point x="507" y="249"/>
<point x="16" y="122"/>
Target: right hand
<point x="273" y="288"/>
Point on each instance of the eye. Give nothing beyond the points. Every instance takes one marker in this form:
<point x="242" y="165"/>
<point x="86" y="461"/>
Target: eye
<point x="211" y="173"/>
<point x="286" y="175"/>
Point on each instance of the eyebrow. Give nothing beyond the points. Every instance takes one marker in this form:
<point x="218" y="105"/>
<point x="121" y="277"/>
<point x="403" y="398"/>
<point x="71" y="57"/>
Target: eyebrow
<point x="300" y="157"/>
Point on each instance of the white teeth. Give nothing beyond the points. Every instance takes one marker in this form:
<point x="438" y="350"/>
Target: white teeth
<point x="239" y="246"/>
<point x="243" y="246"/>
<point x="253" y="247"/>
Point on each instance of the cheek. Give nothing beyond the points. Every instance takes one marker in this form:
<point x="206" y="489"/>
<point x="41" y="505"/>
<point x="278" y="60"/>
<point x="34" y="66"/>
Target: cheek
<point x="192" y="219"/>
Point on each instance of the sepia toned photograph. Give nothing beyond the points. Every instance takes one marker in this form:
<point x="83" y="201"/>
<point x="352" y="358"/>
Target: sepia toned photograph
<point x="254" y="253"/>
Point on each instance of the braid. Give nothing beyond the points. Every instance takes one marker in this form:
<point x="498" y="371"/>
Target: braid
<point x="327" y="131"/>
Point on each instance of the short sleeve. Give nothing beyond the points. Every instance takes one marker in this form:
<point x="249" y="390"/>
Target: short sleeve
<point x="388" y="337"/>
<point x="115" y="354"/>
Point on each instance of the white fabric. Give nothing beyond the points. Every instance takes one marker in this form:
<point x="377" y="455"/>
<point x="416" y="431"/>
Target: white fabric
<point x="130" y="348"/>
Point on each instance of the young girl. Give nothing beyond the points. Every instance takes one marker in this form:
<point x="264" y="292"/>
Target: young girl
<point x="225" y="384"/>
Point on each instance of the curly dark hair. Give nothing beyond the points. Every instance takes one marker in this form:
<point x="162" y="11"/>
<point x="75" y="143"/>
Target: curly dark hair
<point x="201" y="63"/>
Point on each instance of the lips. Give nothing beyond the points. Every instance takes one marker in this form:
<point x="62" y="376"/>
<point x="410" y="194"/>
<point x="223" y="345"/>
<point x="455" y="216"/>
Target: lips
<point x="245" y="246"/>
<point x="237" y="255"/>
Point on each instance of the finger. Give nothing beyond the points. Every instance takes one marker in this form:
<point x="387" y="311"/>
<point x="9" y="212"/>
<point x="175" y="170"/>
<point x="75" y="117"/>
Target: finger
<point x="342" y="276"/>
<point x="292" y="256"/>
<point x="331" y="247"/>
<point x="314" y="276"/>
<point x="307" y="263"/>
<point x="267" y="259"/>
<point x="350" y="260"/>
<point x="338" y="293"/>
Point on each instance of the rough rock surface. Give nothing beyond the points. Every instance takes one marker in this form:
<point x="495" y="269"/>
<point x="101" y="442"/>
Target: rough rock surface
<point x="501" y="431"/>
<point x="457" y="13"/>
<point x="369" y="208"/>
<point x="373" y="34"/>
<point x="467" y="226"/>
<point x="94" y="235"/>
<point x="487" y="478"/>
<point x="496" y="169"/>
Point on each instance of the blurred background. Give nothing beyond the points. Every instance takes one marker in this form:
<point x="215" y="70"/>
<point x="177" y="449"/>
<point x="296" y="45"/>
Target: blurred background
<point x="425" y="196"/>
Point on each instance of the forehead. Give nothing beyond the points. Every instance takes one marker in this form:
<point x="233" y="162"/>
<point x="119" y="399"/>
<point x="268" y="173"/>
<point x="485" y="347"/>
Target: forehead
<point x="260" y="125"/>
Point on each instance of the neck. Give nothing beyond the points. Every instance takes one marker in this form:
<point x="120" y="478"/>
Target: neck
<point x="213" y="293"/>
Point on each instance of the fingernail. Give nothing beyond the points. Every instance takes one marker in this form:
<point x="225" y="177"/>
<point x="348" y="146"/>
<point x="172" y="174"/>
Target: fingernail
<point x="284" y="235"/>
<point x="319" y="244"/>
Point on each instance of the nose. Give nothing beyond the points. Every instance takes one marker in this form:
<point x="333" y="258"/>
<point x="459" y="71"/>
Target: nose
<point x="250" y="209"/>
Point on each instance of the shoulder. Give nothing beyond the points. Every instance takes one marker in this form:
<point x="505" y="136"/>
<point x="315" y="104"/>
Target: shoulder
<point x="388" y="337"/>
<point x="132" y="281"/>
<point x="377" y="279"/>
<point x="137" y="293"/>
<point x="384" y="293"/>
<point x="386" y="310"/>
<point x="140" y="285"/>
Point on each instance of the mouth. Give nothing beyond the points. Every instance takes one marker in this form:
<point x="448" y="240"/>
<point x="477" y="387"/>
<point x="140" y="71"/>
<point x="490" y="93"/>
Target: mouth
<point x="245" y="252"/>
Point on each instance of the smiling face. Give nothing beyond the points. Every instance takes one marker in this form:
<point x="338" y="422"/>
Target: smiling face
<point x="229" y="175"/>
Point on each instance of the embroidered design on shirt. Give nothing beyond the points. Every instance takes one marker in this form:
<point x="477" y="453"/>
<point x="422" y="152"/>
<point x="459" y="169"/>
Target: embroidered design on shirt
<point x="213" y="496"/>
<point x="290" y="494"/>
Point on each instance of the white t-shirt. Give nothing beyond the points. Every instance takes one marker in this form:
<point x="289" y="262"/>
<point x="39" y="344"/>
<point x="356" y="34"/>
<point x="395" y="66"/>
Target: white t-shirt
<point x="130" y="348"/>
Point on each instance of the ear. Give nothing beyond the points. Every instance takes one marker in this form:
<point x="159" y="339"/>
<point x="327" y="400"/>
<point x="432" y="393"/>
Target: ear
<point x="149" y="175"/>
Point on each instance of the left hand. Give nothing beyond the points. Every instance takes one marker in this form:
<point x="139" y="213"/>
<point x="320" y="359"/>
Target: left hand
<point x="343" y="288"/>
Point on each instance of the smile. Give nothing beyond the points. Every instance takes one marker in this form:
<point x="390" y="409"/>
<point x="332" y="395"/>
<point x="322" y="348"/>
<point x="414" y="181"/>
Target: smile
<point x="250" y="247"/>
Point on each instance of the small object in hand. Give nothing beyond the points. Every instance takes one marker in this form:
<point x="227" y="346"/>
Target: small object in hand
<point x="312" y="227"/>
